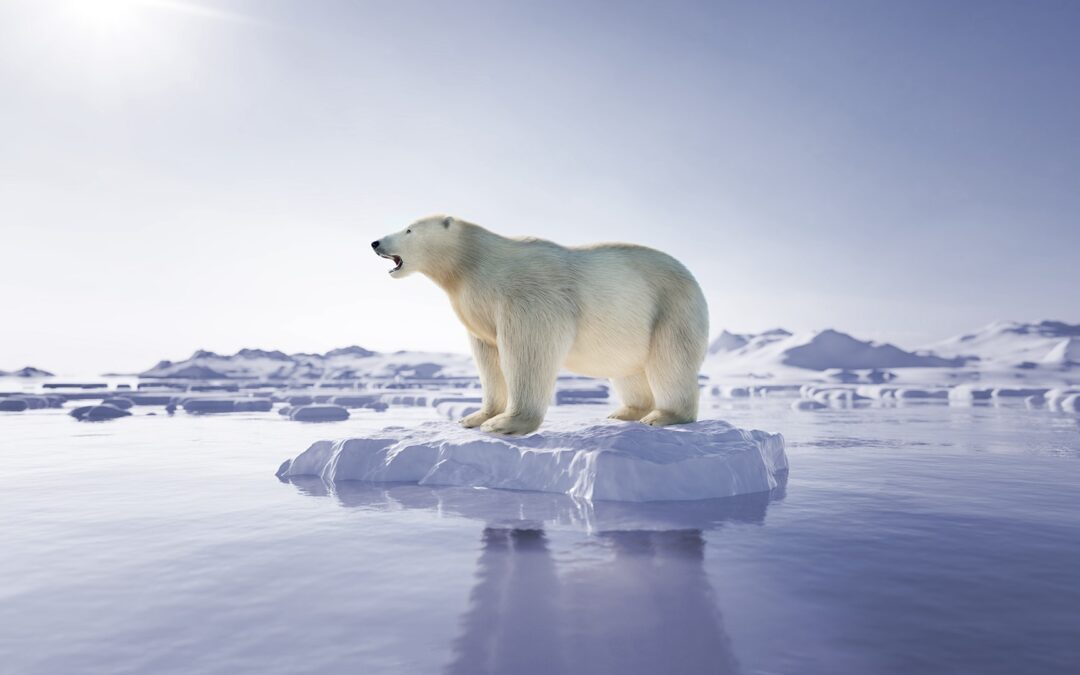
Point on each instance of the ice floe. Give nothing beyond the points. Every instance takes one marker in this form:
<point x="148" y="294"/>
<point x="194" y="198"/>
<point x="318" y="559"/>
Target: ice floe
<point x="226" y="405"/>
<point x="603" y="461"/>
<point x="98" y="413"/>
<point x="13" y="405"/>
<point x="122" y="402"/>
<point x="317" y="413"/>
<point x="1067" y="400"/>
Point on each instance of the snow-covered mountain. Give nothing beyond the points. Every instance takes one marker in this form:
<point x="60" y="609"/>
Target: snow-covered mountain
<point x="1002" y="350"/>
<point x="814" y="350"/>
<point x="1010" y="344"/>
<point x="28" y="371"/>
<point x="349" y="363"/>
<point x="729" y="342"/>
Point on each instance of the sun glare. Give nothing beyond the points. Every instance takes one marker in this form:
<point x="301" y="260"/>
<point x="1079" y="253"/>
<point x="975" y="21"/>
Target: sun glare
<point x="106" y="17"/>
<point x="110" y="48"/>
<point x="121" y="17"/>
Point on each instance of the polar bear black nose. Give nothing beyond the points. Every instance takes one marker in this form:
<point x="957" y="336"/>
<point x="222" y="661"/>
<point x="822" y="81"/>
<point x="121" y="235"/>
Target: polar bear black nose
<point x="374" y="244"/>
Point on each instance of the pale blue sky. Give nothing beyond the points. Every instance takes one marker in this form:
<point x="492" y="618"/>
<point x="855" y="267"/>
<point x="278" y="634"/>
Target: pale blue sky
<point x="176" y="175"/>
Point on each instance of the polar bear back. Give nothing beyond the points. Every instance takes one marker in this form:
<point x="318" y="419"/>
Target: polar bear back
<point x="624" y="292"/>
<point x="611" y="301"/>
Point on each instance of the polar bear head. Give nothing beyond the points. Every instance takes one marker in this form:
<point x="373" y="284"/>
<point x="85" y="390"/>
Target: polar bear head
<point x="425" y="246"/>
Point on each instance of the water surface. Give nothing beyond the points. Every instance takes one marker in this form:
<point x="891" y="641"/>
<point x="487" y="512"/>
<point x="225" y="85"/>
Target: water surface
<point x="906" y="539"/>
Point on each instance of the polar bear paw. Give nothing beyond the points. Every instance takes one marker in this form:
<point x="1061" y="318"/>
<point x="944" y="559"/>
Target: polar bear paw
<point x="628" y="414"/>
<point x="476" y="419"/>
<point x="663" y="418"/>
<point x="511" y="425"/>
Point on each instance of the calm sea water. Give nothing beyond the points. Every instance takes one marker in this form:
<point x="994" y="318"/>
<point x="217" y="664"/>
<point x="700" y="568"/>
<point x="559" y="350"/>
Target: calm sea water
<point x="919" y="539"/>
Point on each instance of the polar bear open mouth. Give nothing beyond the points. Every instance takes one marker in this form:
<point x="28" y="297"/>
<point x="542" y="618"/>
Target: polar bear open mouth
<point x="396" y="258"/>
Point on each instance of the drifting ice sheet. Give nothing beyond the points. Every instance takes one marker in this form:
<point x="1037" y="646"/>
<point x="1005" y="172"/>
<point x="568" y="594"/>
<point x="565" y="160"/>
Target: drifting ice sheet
<point x="606" y="461"/>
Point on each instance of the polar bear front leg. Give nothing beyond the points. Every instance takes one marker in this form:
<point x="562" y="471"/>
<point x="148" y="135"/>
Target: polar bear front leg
<point x="531" y="349"/>
<point x="491" y="381"/>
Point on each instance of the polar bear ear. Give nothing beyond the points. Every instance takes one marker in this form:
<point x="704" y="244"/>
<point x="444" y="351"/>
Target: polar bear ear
<point x="447" y="221"/>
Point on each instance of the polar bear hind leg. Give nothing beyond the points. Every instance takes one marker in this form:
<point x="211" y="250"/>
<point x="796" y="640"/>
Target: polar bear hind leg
<point x="675" y="356"/>
<point x="635" y="395"/>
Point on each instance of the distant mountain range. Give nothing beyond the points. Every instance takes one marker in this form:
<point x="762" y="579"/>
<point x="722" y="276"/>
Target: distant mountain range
<point x="28" y="371"/>
<point x="348" y="363"/>
<point x="821" y="350"/>
<point x="1048" y="346"/>
<point x="1018" y="345"/>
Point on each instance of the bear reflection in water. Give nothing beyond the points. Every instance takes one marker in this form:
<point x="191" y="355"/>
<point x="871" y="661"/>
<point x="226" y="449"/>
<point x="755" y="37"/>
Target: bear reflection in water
<point x="650" y="609"/>
<point x="630" y="596"/>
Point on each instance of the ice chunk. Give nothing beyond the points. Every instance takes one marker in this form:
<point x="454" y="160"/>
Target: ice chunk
<point x="1070" y="403"/>
<point x="411" y="400"/>
<point x="1055" y="398"/>
<point x="354" y="400"/>
<point x="121" y="402"/>
<point x="208" y="405"/>
<point x="1015" y="392"/>
<point x="227" y="405"/>
<point x="966" y="393"/>
<point x="13" y="404"/>
<point x="31" y="402"/>
<point x="910" y="393"/>
<point x="98" y="413"/>
<point x="578" y="393"/>
<point x="808" y="404"/>
<point x="604" y="461"/>
<point x="731" y="391"/>
<point x="318" y="413"/>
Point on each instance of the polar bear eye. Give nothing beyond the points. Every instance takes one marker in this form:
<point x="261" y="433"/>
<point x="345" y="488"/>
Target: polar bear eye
<point x="408" y="231"/>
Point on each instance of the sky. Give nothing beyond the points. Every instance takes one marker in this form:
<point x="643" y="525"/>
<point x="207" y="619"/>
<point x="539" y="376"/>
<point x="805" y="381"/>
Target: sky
<point x="177" y="175"/>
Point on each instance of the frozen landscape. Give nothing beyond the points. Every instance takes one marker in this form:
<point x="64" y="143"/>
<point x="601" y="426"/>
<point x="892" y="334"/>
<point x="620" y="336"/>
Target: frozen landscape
<point x="898" y="511"/>
<point x="260" y="256"/>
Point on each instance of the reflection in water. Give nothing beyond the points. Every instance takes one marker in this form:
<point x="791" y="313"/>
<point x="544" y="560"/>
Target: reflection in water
<point x="646" y="608"/>
<point x="514" y="623"/>
<point x="632" y="597"/>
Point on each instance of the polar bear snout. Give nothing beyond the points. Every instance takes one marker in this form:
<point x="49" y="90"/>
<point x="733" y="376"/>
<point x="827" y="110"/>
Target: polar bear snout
<point x="398" y="261"/>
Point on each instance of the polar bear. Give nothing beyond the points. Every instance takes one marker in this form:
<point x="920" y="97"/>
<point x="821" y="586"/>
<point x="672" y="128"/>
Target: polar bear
<point x="620" y="311"/>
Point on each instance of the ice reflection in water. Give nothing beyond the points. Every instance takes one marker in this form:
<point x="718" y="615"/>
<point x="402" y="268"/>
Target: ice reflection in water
<point x="633" y="597"/>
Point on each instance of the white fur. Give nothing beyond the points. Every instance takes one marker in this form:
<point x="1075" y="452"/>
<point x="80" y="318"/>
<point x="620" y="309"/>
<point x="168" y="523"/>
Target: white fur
<point x="629" y="313"/>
